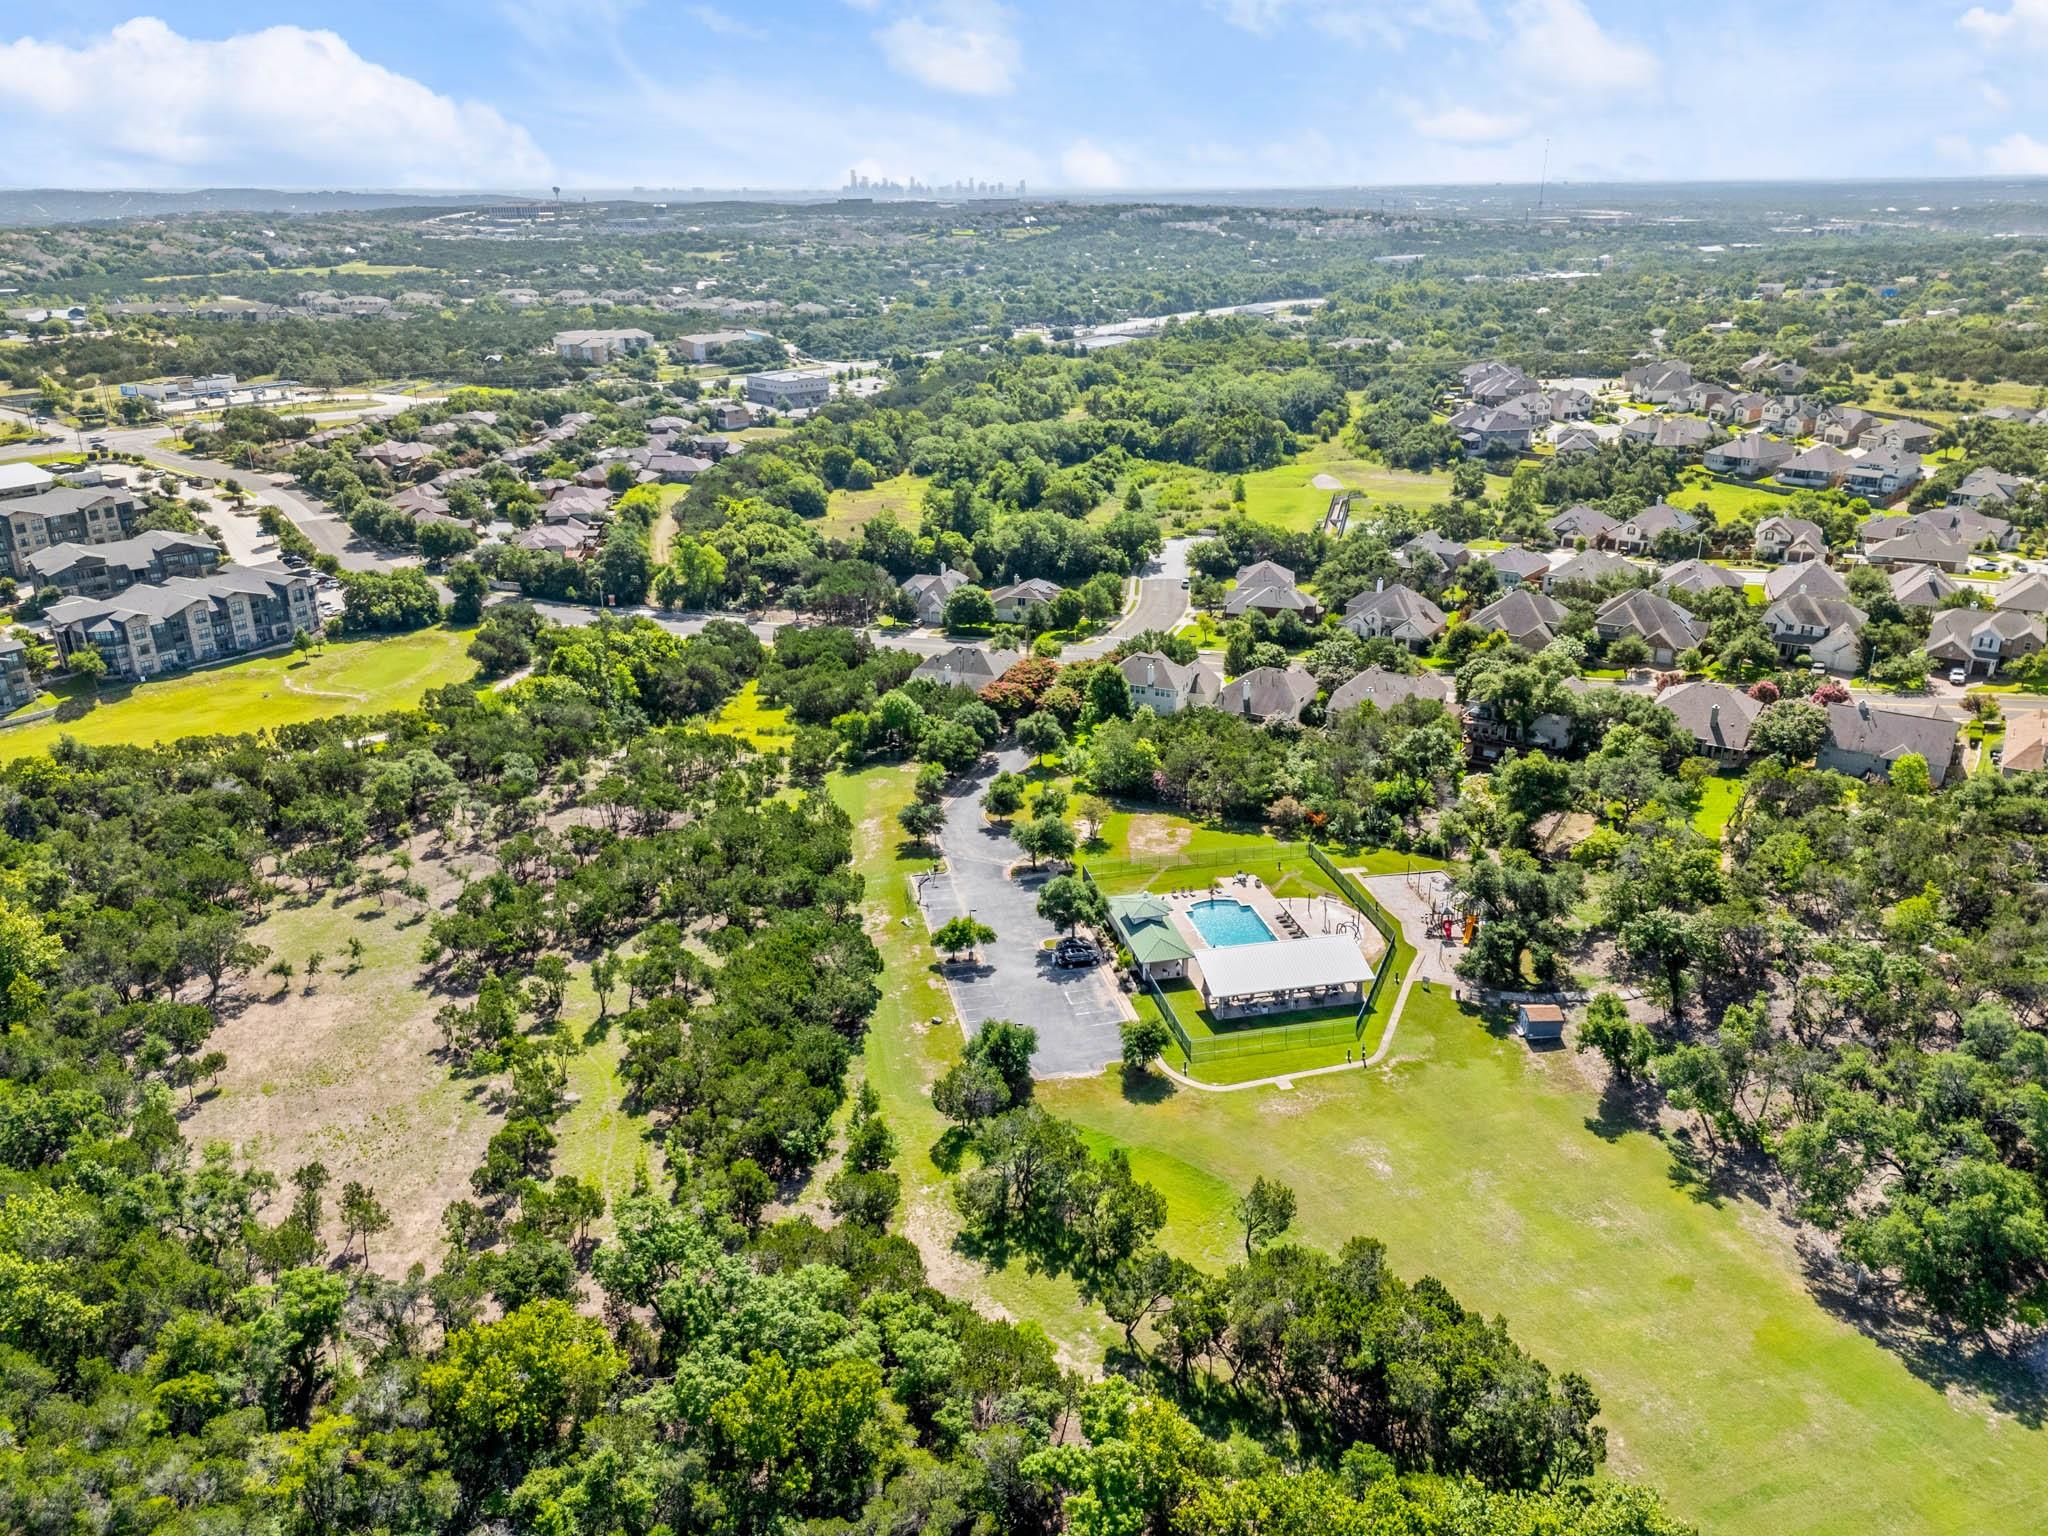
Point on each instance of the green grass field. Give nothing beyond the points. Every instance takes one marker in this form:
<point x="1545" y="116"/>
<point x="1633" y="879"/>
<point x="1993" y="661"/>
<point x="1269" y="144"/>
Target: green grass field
<point x="847" y="510"/>
<point x="745" y="716"/>
<point x="1724" y="501"/>
<point x="1724" y="1381"/>
<point x="1719" y="796"/>
<point x="349" y="677"/>
<point x="1286" y="494"/>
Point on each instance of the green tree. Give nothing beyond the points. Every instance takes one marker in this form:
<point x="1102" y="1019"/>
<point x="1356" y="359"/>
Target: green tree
<point x="1067" y="901"/>
<point x="1045" y="837"/>
<point x="958" y="935"/>
<point x="1626" y="1045"/>
<point x="1041" y="735"/>
<point x="1265" y="1212"/>
<point x="1145" y="1039"/>
<point x="513" y="1393"/>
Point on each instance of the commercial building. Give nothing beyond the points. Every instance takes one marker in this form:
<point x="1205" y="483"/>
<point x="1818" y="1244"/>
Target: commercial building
<point x="599" y="346"/>
<point x="790" y="389"/>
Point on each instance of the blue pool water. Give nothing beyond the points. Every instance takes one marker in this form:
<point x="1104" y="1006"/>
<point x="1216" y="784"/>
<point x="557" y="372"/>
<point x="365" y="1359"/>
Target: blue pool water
<point x="1224" y="923"/>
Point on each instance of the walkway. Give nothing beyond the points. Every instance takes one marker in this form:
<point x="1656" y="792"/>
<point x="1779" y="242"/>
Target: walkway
<point x="1078" y="1013"/>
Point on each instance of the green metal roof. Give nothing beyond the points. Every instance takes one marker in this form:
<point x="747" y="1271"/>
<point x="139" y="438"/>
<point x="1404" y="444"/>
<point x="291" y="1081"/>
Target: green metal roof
<point x="1147" y="928"/>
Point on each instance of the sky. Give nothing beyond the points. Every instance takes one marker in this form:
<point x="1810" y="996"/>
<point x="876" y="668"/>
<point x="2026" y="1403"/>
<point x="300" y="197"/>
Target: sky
<point x="1096" y="95"/>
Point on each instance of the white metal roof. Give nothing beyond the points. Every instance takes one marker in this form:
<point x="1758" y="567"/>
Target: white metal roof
<point x="1286" y="965"/>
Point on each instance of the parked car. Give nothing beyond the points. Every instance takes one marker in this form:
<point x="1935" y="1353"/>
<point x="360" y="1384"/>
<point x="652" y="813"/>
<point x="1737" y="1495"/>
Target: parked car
<point x="1958" y="676"/>
<point x="1075" y="954"/>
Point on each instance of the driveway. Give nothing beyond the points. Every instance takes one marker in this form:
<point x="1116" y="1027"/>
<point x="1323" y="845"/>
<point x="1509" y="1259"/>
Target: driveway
<point x="1077" y="1013"/>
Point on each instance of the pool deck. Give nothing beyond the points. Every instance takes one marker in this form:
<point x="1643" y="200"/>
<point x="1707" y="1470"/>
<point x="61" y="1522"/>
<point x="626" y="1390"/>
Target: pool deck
<point x="1287" y="917"/>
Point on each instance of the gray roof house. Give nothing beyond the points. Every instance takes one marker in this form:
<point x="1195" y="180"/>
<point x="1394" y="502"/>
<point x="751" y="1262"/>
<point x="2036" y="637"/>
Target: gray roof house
<point x="1864" y="741"/>
<point x="1268" y="693"/>
<point x="1914" y="545"/>
<point x="1880" y="473"/>
<point x="1163" y="685"/>
<point x="1511" y="564"/>
<point x="1808" y="577"/>
<point x="1749" y="456"/>
<point x="1790" y="538"/>
<point x="1395" y="613"/>
<point x="1014" y="601"/>
<point x="929" y="590"/>
<point x="1527" y="618"/>
<point x="1828" y="629"/>
<point x="1700" y="576"/>
<point x="1913" y="436"/>
<point x="1448" y="553"/>
<point x="1716" y="716"/>
<point x="1924" y="586"/>
<point x="1816" y="469"/>
<point x="1658" y="382"/>
<point x="1587" y="567"/>
<point x="1383" y="690"/>
<point x="966" y="666"/>
<point x="1969" y="525"/>
<point x="1580" y="522"/>
<point x="1683" y="434"/>
<point x="1984" y="485"/>
<point x="2028" y="593"/>
<point x="1642" y="530"/>
<point x="1667" y="628"/>
<point x="1981" y="642"/>
<point x="1268" y="588"/>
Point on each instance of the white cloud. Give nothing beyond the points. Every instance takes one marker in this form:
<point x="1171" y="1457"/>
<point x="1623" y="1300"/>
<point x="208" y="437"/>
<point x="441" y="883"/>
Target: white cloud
<point x="723" y="24"/>
<point x="1387" y="22"/>
<point x="963" y="46"/>
<point x="1468" y="125"/>
<point x="1087" y="164"/>
<point x="1559" y="47"/>
<point x="281" y="106"/>
<point x="2019" y="154"/>
<point x="2024" y="22"/>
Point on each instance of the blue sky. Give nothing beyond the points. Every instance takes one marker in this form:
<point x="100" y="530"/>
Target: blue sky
<point x="519" y="94"/>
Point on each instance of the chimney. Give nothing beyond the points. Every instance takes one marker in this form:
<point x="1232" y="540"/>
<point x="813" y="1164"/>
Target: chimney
<point x="1380" y="584"/>
<point x="1714" y="718"/>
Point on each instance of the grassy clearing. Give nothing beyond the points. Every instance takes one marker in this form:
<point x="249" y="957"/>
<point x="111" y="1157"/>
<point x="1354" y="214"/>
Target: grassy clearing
<point x="1498" y="1171"/>
<point x="1719" y="796"/>
<point x="349" y="677"/>
<point x="1287" y="495"/>
<point x="763" y="728"/>
<point x="1726" y="501"/>
<point x="847" y="510"/>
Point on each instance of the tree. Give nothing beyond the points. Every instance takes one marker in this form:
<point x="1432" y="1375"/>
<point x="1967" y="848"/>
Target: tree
<point x="1145" y="1039"/>
<point x="1090" y="812"/>
<point x="1910" y="775"/>
<point x="1625" y="1044"/>
<point x="970" y="608"/>
<point x="964" y="933"/>
<point x="1067" y="902"/>
<point x="1109" y="694"/>
<point x="1041" y="735"/>
<point x="923" y="821"/>
<point x="302" y="642"/>
<point x="1005" y="795"/>
<point x="1790" y="729"/>
<point x="512" y="1392"/>
<point x="1045" y="837"/>
<point x="749" y="1189"/>
<point x="1265" y="1212"/>
<point x="470" y="584"/>
<point x="87" y="663"/>
<point x="362" y="1216"/>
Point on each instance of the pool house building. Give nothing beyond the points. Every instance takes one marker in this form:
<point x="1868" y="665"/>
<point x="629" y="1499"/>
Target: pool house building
<point x="1247" y="952"/>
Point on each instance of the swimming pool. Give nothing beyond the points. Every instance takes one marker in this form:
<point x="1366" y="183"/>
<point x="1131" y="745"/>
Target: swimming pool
<point x="1224" y="923"/>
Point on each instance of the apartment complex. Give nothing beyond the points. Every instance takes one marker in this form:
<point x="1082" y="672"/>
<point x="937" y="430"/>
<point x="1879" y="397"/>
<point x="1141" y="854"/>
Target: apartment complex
<point x="146" y="630"/>
<point x="91" y="514"/>
<point x="790" y="389"/>
<point x="16" y="688"/>
<point x="101" y="570"/>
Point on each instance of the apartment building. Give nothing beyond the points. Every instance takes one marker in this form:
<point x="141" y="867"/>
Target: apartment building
<point x="147" y="630"/>
<point x="90" y="514"/>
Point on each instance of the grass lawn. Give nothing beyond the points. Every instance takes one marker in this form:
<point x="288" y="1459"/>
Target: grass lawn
<point x="763" y="728"/>
<point x="1719" y="796"/>
<point x="1724" y="501"/>
<point x="1723" y="1381"/>
<point x="1286" y="494"/>
<point x="349" y="677"/>
<point x="847" y="510"/>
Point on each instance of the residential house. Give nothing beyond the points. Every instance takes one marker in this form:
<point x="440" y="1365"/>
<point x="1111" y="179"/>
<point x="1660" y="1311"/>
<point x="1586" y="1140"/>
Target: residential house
<point x="1512" y="565"/>
<point x="1984" y="485"/>
<point x="1916" y="545"/>
<point x="584" y="503"/>
<point x="929" y="591"/>
<point x="1881" y="473"/>
<point x="1790" y="539"/>
<point x="2026" y="742"/>
<point x="1826" y="630"/>
<point x="1682" y="434"/>
<point x="1486" y="429"/>
<point x="396" y="457"/>
<point x="572" y="539"/>
<point x="1864" y="741"/>
<point x="150" y="629"/>
<point x="1703" y="399"/>
<point x="1844" y="425"/>
<point x="1700" y="576"/>
<point x="1581" y="522"/>
<point x="1968" y="525"/>
<point x="1575" y="440"/>
<point x="101" y="570"/>
<point x="728" y="416"/>
<point x="1589" y="567"/>
<point x="1640" y="532"/>
<point x="1569" y="403"/>
<point x="67" y="515"/>
<point x="1491" y="383"/>
<point x="1383" y="690"/>
<point x="600" y="346"/>
<point x="1014" y="601"/>
<point x="1658" y="383"/>
<point x="1792" y="415"/>
<point x="1740" y="410"/>
<point x="1267" y="694"/>
<point x="1163" y="685"/>
<point x="2027" y="594"/>
<point x="1529" y="619"/>
<point x="1748" y="457"/>
<point x="1808" y="577"/>
<point x="1982" y="642"/>
<point x="1912" y="436"/>
<point x="1815" y="469"/>
<point x="1268" y="588"/>
<point x="17" y="688"/>
<point x="1922" y="586"/>
<point x="1664" y="626"/>
<point x="676" y="468"/>
<point x="1717" y="718"/>
<point x="1397" y="613"/>
<point x="965" y="666"/>
<point x="1145" y="927"/>
<point x="1446" y="553"/>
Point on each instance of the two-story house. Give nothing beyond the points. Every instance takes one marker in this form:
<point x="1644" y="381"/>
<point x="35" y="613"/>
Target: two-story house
<point x="1828" y="630"/>
<point x="1396" y="613"/>
<point x="1162" y="685"/>
<point x="1980" y="642"/>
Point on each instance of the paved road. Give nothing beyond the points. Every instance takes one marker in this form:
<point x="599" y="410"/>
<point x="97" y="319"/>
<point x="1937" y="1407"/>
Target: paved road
<point x="1076" y="1013"/>
<point x="1162" y="603"/>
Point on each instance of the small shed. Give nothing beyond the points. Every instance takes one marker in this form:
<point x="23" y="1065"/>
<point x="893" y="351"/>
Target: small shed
<point x="1539" y="1021"/>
